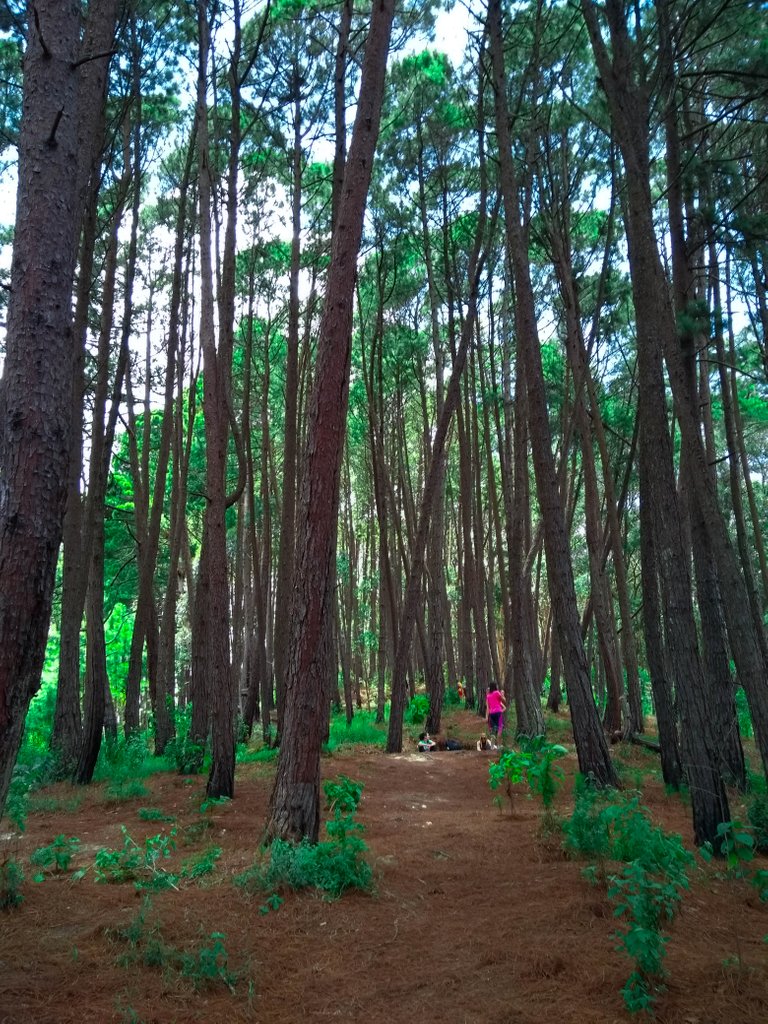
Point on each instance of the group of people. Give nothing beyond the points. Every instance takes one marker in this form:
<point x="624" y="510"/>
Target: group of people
<point x="496" y="705"/>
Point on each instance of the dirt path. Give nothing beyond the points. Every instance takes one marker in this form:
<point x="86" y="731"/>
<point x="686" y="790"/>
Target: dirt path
<point x="475" y="919"/>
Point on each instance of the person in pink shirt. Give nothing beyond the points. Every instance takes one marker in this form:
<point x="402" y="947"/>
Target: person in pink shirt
<point x="496" y="706"/>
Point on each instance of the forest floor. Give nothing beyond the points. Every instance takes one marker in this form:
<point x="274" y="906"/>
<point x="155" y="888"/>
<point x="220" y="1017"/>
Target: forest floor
<point x="476" y="915"/>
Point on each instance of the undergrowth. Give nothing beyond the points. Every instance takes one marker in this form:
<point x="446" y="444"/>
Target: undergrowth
<point x="331" y="866"/>
<point x="206" y="965"/>
<point x="534" y="764"/>
<point x="645" y="890"/>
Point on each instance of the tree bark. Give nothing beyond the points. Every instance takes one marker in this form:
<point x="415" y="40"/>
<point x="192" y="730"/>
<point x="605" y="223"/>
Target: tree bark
<point x="295" y="800"/>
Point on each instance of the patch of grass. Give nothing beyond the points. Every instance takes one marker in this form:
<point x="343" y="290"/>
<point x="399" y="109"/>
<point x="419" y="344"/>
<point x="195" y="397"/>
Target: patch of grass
<point x="41" y="804"/>
<point x="259" y="755"/>
<point x="363" y="730"/>
<point x="153" y="814"/>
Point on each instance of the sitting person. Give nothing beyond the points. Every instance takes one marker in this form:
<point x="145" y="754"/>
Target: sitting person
<point x="485" y="744"/>
<point x="425" y="743"/>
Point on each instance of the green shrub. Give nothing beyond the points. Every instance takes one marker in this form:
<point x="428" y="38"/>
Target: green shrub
<point x="57" y="856"/>
<point x="757" y="813"/>
<point x="32" y="771"/>
<point x="417" y="709"/>
<point x="134" y="862"/>
<point x="452" y="698"/>
<point x="183" y="752"/>
<point x="11" y="879"/>
<point x="646" y="892"/>
<point x="535" y="765"/>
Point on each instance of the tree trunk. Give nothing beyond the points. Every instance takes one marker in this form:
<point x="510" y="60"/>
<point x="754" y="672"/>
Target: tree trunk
<point x="591" y="747"/>
<point x="295" y="801"/>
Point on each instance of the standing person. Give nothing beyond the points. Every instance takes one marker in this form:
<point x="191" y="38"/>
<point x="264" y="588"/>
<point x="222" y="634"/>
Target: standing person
<point x="496" y="707"/>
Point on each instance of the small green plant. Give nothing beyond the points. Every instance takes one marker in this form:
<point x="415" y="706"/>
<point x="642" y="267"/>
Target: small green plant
<point x="55" y="857"/>
<point x="645" y="900"/>
<point x="736" y="844"/>
<point x="202" y="864"/>
<point x="209" y="964"/>
<point x="273" y="902"/>
<point x="205" y="965"/>
<point x="418" y="709"/>
<point x="535" y="765"/>
<point x="648" y="889"/>
<point x="11" y="879"/>
<point x="135" y="862"/>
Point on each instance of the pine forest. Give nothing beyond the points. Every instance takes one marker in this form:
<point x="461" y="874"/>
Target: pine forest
<point x="383" y="511"/>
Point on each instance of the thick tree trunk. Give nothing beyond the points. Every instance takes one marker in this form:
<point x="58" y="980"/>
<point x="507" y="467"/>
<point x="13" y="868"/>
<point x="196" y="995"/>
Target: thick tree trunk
<point x="657" y="484"/>
<point x="93" y="75"/>
<point x="295" y="801"/>
<point x="36" y="397"/>
<point x="591" y="746"/>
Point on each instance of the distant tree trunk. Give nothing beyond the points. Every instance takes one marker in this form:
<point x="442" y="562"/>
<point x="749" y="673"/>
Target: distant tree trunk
<point x="286" y="553"/>
<point x="295" y="803"/>
<point x="717" y="672"/>
<point x="96" y="681"/>
<point x="452" y="402"/>
<point x="530" y="721"/>
<point x="655" y="653"/>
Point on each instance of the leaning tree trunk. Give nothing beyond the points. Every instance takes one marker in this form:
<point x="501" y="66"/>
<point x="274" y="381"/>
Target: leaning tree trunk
<point x="295" y="801"/>
<point x="629" y="109"/>
<point x="591" y="746"/>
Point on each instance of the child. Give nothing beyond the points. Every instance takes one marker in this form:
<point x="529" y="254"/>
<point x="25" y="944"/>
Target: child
<point x="425" y="743"/>
<point x="496" y="708"/>
<point x="484" y="743"/>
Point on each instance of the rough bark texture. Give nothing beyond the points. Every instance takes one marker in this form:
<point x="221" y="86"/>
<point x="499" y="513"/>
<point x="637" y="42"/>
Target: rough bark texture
<point x="92" y="86"/>
<point x="294" y="806"/>
<point x="591" y="746"/>
<point x="629" y="109"/>
<point x="35" y="445"/>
